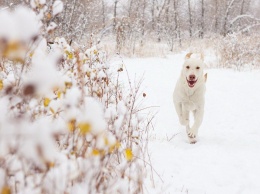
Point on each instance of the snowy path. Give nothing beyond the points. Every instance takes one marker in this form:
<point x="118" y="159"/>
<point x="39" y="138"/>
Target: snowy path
<point x="226" y="159"/>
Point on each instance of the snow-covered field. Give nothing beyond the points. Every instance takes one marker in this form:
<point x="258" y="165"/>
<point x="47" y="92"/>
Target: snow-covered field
<point x="226" y="158"/>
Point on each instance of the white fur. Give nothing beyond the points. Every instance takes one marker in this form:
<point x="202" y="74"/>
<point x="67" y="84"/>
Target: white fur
<point x="190" y="99"/>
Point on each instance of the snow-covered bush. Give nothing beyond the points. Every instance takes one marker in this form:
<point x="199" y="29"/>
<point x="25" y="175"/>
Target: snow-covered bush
<point x="66" y="124"/>
<point x="240" y="51"/>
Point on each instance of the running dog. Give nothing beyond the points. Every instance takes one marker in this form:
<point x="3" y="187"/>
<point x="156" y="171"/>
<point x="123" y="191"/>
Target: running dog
<point x="189" y="94"/>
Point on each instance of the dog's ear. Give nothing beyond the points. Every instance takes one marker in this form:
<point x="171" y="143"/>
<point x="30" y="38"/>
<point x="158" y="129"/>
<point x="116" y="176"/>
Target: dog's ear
<point x="205" y="77"/>
<point x="188" y="55"/>
<point x="201" y="57"/>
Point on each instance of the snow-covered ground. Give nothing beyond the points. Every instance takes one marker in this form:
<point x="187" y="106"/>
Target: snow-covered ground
<point x="226" y="158"/>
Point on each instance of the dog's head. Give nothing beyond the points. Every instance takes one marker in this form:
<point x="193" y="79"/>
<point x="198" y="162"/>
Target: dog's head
<point x="193" y="69"/>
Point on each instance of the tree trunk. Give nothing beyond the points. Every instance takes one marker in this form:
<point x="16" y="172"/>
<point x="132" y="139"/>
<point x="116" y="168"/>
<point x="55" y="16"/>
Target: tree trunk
<point x="115" y="15"/>
<point x="177" y="22"/>
<point x="159" y="21"/>
<point x="167" y="12"/>
<point x="216" y="16"/>
<point x="72" y="13"/>
<point x="229" y="7"/>
<point x="241" y="12"/>
<point x="143" y="17"/>
<point x="190" y="19"/>
<point x="153" y="15"/>
<point x="103" y="13"/>
<point x="202" y="24"/>
<point x="130" y="8"/>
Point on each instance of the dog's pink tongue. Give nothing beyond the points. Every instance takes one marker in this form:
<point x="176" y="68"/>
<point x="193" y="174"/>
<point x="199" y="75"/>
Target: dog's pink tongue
<point x="191" y="83"/>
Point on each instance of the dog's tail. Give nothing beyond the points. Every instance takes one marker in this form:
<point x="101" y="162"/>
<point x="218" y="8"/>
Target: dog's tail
<point x="205" y="77"/>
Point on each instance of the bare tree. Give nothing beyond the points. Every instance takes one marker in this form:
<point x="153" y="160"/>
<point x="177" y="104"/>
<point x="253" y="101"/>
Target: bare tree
<point x="143" y="20"/>
<point x="190" y="18"/>
<point x="177" y="21"/>
<point x="153" y="14"/>
<point x="115" y="14"/>
<point x="229" y="6"/>
<point x="103" y="13"/>
<point x="202" y="24"/>
<point x="216" y="16"/>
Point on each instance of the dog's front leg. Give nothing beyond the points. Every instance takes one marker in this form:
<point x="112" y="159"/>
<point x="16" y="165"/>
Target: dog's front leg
<point x="178" y="108"/>
<point x="198" y="117"/>
<point x="182" y="113"/>
<point x="185" y="117"/>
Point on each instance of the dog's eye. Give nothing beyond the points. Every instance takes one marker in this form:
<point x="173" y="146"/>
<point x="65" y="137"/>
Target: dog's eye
<point x="197" y="67"/>
<point x="187" y="67"/>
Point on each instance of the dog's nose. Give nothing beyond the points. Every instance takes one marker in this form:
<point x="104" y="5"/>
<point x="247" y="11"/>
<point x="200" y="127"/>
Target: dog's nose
<point x="192" y="77"/>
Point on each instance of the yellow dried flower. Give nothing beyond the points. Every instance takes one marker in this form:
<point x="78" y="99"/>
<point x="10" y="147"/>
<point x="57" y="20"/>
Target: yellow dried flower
<point x="68" y="85"/>
<point x="106" y="141"/>
<point x="117" y="145"/>
<point x="69" y="54"/>
<point x="48" y="15"/>
<point x="14" y="51"/>
<point x="6" y="190"/>
<point x="72" y="124"/>
<point x="84" y="128"/>
<point x="128" y="154"/>
<point x="88" y="73"/>
<point x="111" y="149"/>
<point x="1" y="84"/>
<point x="46" y="102"/>
<point x="59" y="94"/>
<point x="51" y="109"/>
<point x="11" y="47"/>
<point x="50" y="164"/>
<point x="95" y="152"/>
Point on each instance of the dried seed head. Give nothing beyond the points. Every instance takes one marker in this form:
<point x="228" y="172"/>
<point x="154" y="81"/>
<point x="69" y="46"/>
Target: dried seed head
<point x="29" y="90"/>
<point x="9" y="90"/>
<point x="35" y="37"/>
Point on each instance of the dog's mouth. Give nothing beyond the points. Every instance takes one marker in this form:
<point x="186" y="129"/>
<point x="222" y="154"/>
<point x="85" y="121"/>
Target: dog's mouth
<point x="191" y="83"/>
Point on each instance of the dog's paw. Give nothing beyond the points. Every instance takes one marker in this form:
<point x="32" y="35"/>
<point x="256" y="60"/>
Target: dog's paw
<point x="192" y="140"/>
<point x="191" y="133"/>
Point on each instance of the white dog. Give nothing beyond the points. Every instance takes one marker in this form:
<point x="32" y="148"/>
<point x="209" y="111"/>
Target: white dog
<point x="189" y="94"/>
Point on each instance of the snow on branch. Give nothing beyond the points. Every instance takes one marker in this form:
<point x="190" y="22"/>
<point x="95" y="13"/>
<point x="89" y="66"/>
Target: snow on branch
<point x="243" y="16"/>
<point x="66" y="124"/>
